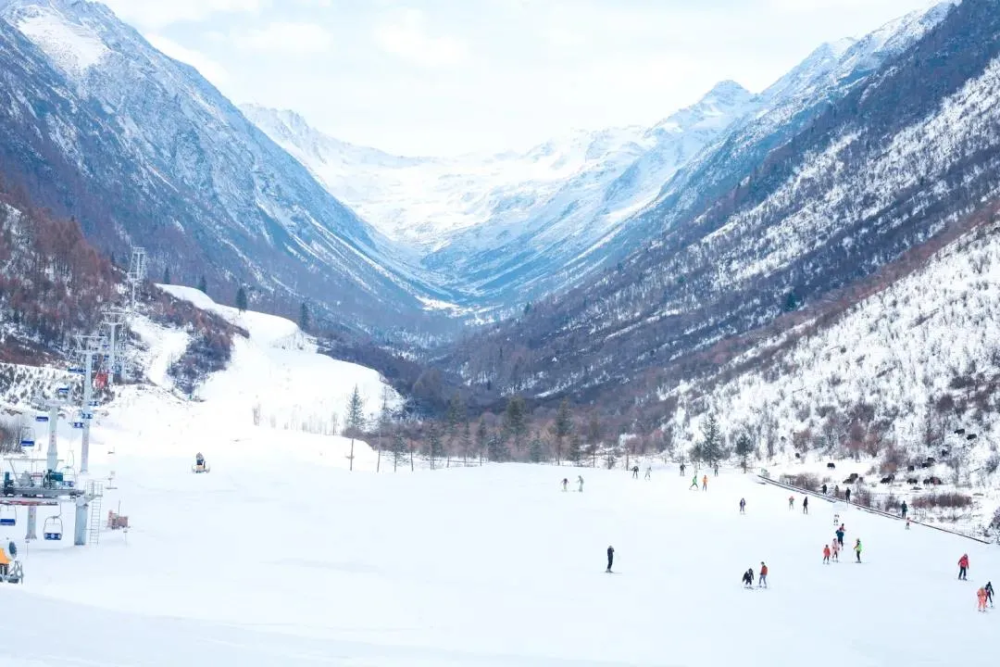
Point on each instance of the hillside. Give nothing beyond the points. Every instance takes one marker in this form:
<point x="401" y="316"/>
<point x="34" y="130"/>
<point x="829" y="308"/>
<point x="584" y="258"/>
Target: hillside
<point x="98" y="125"/>
<point x="908" y="152"/>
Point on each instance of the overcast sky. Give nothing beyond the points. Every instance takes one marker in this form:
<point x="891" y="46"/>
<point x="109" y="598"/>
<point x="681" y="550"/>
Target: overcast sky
<point x="438" y="77"/>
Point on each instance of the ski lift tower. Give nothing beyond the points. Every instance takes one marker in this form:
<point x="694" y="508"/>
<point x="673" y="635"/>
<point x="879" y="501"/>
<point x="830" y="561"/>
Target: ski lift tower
<point x="114" y="323"/>
<point x="136" y="274"/>
<point x="87" y="347"/>
<point x="51" y="408"/>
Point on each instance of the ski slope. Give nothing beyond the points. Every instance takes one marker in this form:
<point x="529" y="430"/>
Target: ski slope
<point x="273" y="559"/>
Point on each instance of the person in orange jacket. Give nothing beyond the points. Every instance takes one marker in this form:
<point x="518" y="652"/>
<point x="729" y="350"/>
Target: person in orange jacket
<point x="704" y="483"/>
<point x="981" y="594"/>
<point x="826" y="554"/>
<point x="963" y="567"/>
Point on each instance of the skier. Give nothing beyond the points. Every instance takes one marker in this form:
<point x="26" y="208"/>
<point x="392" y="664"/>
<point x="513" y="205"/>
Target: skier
<point x="840" y="534"/>
<point x="611" y="557"/>
<point x="649" y="472"/>
<point x="694" y="483"/>
<point x="199" y="460"/>
<point x="635" y="472"/>
<point x="907" y="524"/>
<point x="835" y="550"/>
<point x="564" y="483"/>
<point x="824" y="489"/>
<point x="704" y="483"/>
<point x="836" y="491"/>
<point x="847" y="493"/>
<point x="683" y="468"/>
<point x="989" y="591"/>
<point x="805" y="505"/>
<point x="763" y="575"/>
<point x="981" y="594"/>
<point x="904" y="509"/>
<point x="836" y="519"/>
<point x="857" y="549"/>
<point x="579" y="480"/>
<point x="826" y="554"/>
<point x="743" y="505"/>
<point x="791" y="503"/>
<point x="963" y="567"/>
<point x="748" y="578"/>
<point x="716" y="469"/>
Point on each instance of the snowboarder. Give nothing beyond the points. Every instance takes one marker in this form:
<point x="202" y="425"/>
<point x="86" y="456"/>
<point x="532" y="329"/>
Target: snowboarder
<point x="579" y="480"/>
<point x="963" y="567"/>
<point x="635" y="472"/>
<point x="826" y="554"/>
<point x="989" y="591"/>
<point x="903" y="509"/>
<point x="694" y="483"/>
<point x="704" y="483"/>
<point x="743" y="505"/>
<point x="748" y="578"/>
<point x="835" y="550"/>
<point x="565" y="482"/>
<point x="791" y="503"/>
<point x="649" y="472"/>
<point x="611" y="557"/>
<point x="857" y="549"/>
<point x="763" y="575"/>
<point x="981" y="594"/>
<point x="840" y="534"/>
<point x="805" y="505"/>
<point x="847" y="494"/>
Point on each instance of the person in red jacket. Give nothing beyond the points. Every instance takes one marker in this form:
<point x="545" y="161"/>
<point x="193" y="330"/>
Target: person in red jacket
<point x="826" y="554"/>
<point x="762" y="580"/>
<point x="963" y="567"/>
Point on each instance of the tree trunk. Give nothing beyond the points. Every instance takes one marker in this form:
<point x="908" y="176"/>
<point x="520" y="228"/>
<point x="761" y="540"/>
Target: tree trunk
<point x="351" y="457"/>
<point x="378" y="461"/>
<point x="411" y="456"/>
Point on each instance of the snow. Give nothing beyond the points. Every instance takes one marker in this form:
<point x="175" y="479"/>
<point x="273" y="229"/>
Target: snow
<point x="272" y="560"/>
<point x="73" y="47"/>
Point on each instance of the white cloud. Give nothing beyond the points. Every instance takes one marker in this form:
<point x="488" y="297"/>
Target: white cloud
<point x="155" y="14"/>
<point x="285" y="37"/>
<point x="210" y="69"/>
<point x="405" y="35"/>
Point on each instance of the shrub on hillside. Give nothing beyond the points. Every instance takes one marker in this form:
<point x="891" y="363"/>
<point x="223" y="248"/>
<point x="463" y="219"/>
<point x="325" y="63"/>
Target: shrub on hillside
<point x="806" y="481"/>
<point x="949" y="500"/>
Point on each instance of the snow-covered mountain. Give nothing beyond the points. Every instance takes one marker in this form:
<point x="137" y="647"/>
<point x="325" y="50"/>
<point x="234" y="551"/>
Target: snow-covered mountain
<point x="98" y="124"/>
<point x="492" y="225"/>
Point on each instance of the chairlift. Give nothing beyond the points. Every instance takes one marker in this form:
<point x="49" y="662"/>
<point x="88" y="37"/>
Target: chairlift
<point x="8" y="516"/>
<point x="69" y="476"/>
<point x="78" y="425"/>
<point x="42" y="419"/>
<point x="77" y="370"/>
<point x="53" y="528"/>
<point x="87" y="416"/>
<point x="27" y="442"/>
<point x="63" y="391"/>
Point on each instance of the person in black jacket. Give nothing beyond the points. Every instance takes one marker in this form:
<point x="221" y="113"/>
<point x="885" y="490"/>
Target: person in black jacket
<point x="611" y="557"/>
<point x="989" y="591"/>
<point x="748" y="578"/>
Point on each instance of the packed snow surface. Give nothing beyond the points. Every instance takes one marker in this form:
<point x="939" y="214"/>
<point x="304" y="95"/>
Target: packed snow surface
<point x="72" y="46"/>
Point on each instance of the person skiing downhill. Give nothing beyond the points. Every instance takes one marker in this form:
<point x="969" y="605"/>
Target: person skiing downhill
<point x="805" y="505"/>
<point x="579" y="480"/>
<point x="857" y="549"/>
<point x="694" y="483"/>
<point x="963" y="567"/>
<point x="791" y="503"/>
<point x="649" y="472"/>
<point x="840" y="534"/>
<point x="989" y="591"/>
<point x="835" y="550"/>
<point x="635" y="472"/>
<point x="683" y="468"/>
<point x="743" y="505"/>
<point x="981" y="595"/>
<point x="564" y="483"/>
<point x="826" y="554"/>
<point x="748" y="578"/>
<point x="762" y="582"/>
<point x="704" y="483"/>
<point x="611" y="557"/>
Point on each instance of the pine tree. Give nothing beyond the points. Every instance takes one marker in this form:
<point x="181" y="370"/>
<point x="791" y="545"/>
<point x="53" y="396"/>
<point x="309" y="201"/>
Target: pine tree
<point x="304" y="320"/>
<point x="536" y="450"/>
<point x="712" y="446"/>
<point x="355" y="419"/>
<point x="166" y="275"/>
<point x="466" y="442"/>
<point x="482" y="440"/>
<point x="594" y="435"/>
<point x="435" y="448"/>
<point x="497" y="447"/>
<point x="203" y="285"/>
<point x="241" y="299"/>
<point x="575" y="452"/>
<point x="454" y="418"/>
<point x="561" y="429"/>
<point x="398" y="448"/>
<point x="744" y="448"/>
<point x="516" y="422"/>
<point x="384" y="424"/>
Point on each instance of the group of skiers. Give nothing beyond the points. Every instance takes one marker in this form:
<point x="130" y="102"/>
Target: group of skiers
<point x="761" y="581"/>
<point x="579" y="481"/>
<point x="649" y="472"/>
<point x="985" y="593"/>
<point x="694" y="483"/>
